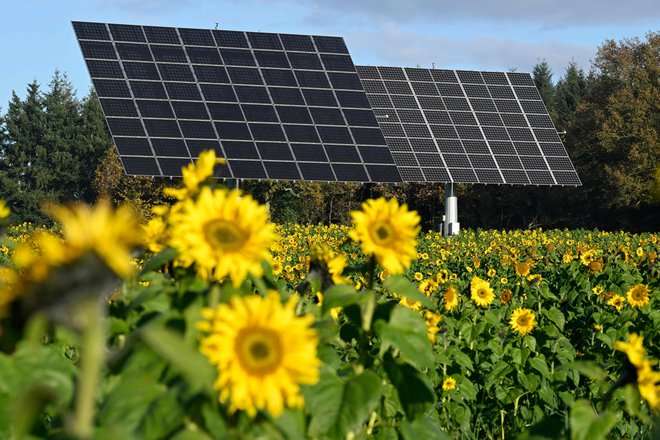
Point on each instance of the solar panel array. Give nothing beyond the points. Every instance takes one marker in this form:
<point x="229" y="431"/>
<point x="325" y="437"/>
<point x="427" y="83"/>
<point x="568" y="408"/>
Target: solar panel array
<point x="275" y="106"/>
<point x="294" y="107"/>
<point x="467" y="126"/>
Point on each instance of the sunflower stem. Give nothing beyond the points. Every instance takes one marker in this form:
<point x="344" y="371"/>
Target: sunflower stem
<point x="91" y="364"/>
<point x="372" y="272"/>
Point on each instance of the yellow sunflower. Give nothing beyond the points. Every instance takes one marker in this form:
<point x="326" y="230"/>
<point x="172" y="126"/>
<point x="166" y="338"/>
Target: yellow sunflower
<point x="418" y="276"/>
<point x="387" y="231"/>
<point x="522" y="321"/>
<point x="505" y="296"/>
<point x="442" y="276"/>
<point x="481" y="292"/>
<point x="634" y="349"/>
<point x="451" y="298"/>
<point x="195" y="174"/>
<point x="449" y="384"/>
<point x="4" y="210"/>
<point x="638" y="295"/>
<point x="522" y="269"/>
<point x="224" y="233"/>
<point x="432" y="321"/>
<point x="263" y="353"/>
<point x="110" y="233"/>
<point x="616" y="301"/>
<point x="648" y="383"/>
<point x="491" y="272"/>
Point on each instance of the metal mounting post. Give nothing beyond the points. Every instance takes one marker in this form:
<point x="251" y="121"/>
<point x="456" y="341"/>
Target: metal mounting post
<point x="450" y="226"/>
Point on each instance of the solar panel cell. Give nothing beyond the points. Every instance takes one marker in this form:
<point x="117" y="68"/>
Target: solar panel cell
<point x="230" y="39"/>
<point x="175" y="72"/>
<point x="97" y="49"/>
<point x="197" y="129"/>
<point x="330" y="44"/>
<point x="118" y="107"/>
<point x="90" y="31"/>
<point x="301" y="133"/>
<point x="196" y="37"/>
<point x="267" y="132"/>
<point x="146" y="71"/>
<point x="259" y="113"/>
<point x="274" y="151"/>
<point x="104" y="69"/>
<point x="237" y="57"/>
<point x="162" y="35"/>
<point x="170" y="147"/>
<point x="111" y="88"/>
<point x="282" y="170"/>
<point x="124" y="32"/>
<point x="316" y="171"/>
<point x="302" y="43"/>
<point x="247" y="169"/>
<point x="131" y="146"/>
<point x="140" y="166"/>
<point x="295" y="115"/>
<point x="125" y="127"/>
<point x="350" y="172"/>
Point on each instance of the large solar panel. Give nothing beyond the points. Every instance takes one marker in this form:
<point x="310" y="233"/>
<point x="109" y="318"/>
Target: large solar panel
<point x="276" y="106"/>
<point x="467" y="126"/>
<point x="294" y="107"/>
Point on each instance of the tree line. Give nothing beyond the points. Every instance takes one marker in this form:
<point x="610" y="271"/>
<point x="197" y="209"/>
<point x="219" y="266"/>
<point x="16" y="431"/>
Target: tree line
<point x="56" y="147"/>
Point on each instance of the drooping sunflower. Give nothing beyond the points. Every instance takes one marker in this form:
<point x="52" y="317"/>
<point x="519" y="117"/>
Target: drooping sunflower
<point x="638" y="295"/>
<point x="481" y="292"/>
<point x="522" y="321"/>
<point x="224" y="233"/>
<point x="449" y="384"/>
<point x="387" y="231"/>
<point x="263" y="353"/>
<point x="110" y="233"/>
<point x="450" y="298"/>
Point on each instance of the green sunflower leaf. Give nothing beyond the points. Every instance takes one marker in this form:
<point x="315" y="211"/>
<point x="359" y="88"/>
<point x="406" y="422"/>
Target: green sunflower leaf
<point x="586" y="424"/>
<point x="406" y="332"/>
<point x="414" y="389"/>
<point x="339" y="295"/>
<point x="339" y="406"/>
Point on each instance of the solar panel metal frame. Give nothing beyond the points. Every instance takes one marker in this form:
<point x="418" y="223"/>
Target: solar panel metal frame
<point x="158" y="69"/>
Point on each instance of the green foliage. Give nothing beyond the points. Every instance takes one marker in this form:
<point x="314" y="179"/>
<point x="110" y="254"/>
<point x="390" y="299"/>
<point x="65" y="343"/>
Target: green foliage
<point x="50" y="143"/>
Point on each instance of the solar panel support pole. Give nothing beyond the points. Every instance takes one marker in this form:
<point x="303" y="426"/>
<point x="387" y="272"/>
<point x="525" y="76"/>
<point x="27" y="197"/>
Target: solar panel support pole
<point x="451" y="225"/>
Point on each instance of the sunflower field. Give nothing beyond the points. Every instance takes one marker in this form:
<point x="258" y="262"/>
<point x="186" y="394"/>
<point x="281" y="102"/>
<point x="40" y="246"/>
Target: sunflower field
<point x="209" y="321"/>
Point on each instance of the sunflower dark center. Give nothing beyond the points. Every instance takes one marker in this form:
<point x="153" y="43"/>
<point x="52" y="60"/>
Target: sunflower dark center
<point x="224" y="235"/>
<point x="259" y="350"/>
<point x="382" y="233"/>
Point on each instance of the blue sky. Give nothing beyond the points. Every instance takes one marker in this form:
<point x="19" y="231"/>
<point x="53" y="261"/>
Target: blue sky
<point x="37" y="37"/>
